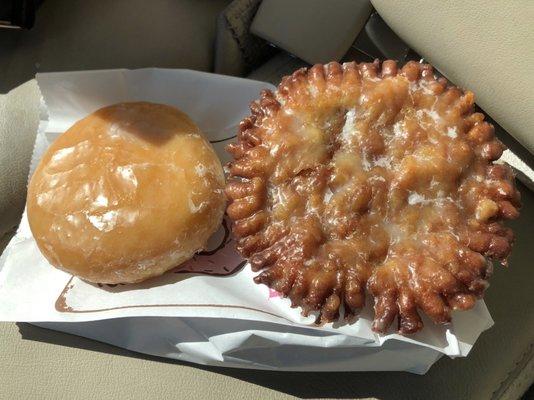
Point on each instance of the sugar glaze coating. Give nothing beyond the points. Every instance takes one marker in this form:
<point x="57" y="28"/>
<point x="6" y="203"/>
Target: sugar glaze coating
<point x="127" y="193"/>
<point x="360" y="178"/>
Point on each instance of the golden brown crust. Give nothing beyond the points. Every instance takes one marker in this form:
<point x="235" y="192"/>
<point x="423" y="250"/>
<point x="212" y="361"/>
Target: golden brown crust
<point x="127" y="193"/>
<point x="370" y="177"/>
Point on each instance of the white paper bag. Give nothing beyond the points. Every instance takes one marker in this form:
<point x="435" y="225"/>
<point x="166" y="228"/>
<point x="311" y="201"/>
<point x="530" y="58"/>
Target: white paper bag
<point x="218" y="316"/>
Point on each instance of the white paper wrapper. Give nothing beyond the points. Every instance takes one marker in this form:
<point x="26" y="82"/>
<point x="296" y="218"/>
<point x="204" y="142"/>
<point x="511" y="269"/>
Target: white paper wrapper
<point x="217" y="320"/>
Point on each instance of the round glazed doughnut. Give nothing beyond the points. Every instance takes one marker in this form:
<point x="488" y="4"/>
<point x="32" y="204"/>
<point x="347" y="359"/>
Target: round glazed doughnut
<point x="127" y="193"/>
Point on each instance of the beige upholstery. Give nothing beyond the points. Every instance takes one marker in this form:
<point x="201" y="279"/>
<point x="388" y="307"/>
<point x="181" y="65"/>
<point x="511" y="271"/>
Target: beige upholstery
<point x="484" y="45"/>
<point x="236" y="51"/>
<point x="81" y="34"/>
<point x="16" y="144"/>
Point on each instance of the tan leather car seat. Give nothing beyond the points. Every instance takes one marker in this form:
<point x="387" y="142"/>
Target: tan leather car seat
<point x="486" y="45"/>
